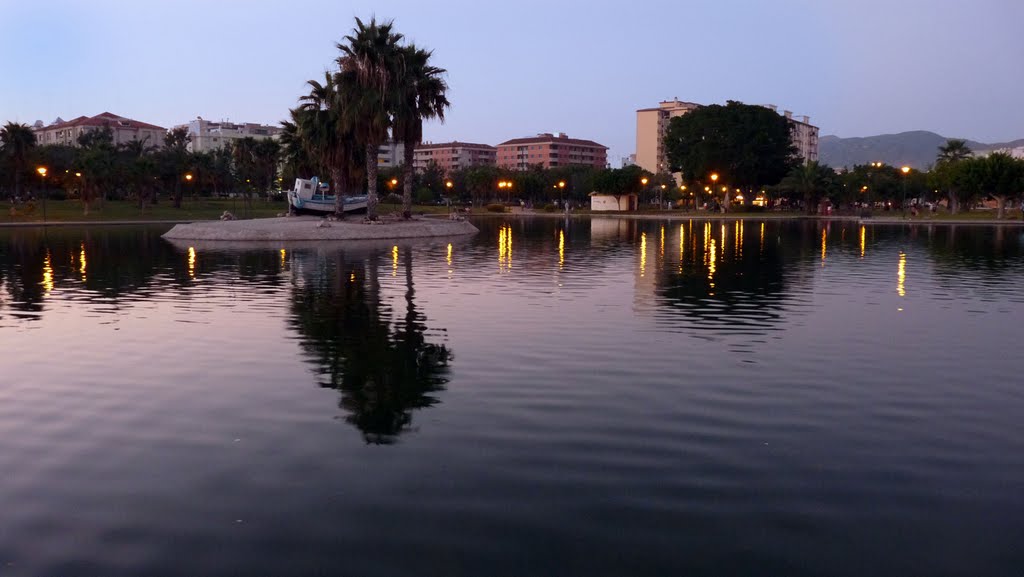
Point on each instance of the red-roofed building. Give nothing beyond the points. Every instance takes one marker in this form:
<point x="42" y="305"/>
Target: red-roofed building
<point x="451" y="156"/>
<point x="123" y="129"/>
<point x="551" y="151"/>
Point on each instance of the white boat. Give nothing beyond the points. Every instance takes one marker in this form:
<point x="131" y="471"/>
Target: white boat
<point x="312" y="196"/>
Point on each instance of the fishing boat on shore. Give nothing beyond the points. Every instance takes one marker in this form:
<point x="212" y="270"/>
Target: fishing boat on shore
<point x="313" y="196"/>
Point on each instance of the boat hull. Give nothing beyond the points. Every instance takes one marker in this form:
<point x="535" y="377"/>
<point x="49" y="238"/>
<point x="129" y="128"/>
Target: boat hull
<point x="325" y="204"/>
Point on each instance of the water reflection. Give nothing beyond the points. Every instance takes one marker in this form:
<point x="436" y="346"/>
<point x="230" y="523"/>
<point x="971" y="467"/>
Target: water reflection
<point x="380" y="360"/>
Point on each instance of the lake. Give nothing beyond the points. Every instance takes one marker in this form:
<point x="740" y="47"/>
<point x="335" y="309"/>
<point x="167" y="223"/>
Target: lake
<point x="548" y="397"/>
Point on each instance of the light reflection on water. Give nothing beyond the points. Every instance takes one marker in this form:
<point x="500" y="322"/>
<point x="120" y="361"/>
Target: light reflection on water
<point x="732" y="408"/>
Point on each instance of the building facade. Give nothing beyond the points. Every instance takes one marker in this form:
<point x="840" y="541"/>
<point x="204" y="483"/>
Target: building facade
<point x="390" y="154"/>
<point x="123" y="130"/>
<point x="208" y="135"/>
<point x="450" y="156"/>
<point x="652" y="124"/>
<point x="805" y="135"/>
<point x="551" y="151"/>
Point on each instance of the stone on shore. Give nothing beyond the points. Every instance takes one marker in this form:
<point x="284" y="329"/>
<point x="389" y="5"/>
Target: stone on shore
<point x="311" y="228"/>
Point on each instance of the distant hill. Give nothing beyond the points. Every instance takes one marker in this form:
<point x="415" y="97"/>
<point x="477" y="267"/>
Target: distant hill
<point x="917" y="148"/>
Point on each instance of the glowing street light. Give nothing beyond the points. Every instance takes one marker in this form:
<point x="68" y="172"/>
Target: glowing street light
<point x="42" y="177"/>
<point x="903" y="205"/>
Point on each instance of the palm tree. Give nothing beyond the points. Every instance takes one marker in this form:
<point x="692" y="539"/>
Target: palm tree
<point x="17" y="140"/>
<point x="176" y="145"/>
<point x="955" y="149"/>
<point x="370" y="68"/>
<point x="420" y="95"/>
<point x="950" y="154"/>
<point x="807" y="180"/>
<point x="327" y="136"/>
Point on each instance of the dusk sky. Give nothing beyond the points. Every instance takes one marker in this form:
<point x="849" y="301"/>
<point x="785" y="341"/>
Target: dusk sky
<point x="856" y="67"/>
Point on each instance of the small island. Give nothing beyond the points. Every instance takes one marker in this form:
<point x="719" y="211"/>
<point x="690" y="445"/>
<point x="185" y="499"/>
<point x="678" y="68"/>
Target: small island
<point x="315" y="228"/>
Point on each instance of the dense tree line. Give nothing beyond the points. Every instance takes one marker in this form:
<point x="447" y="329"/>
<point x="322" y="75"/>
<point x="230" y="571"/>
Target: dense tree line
<point x="958" y="181"/>
<point x="98" y="170"/>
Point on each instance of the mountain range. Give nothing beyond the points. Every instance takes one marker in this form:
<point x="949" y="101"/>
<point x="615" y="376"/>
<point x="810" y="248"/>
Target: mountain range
<point x="916" y="149"/>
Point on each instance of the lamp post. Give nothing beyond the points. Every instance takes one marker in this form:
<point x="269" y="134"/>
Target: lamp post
<point x="714" y="182"/>
<point x="448" y="185"/>
<point x="903" y="205"/>
<point x="643" y="189"/>
<point x="42" y="179"/>
<point x="661" y="198"/>
<point x="191" y="192"/>
<point x="506" y="185"/>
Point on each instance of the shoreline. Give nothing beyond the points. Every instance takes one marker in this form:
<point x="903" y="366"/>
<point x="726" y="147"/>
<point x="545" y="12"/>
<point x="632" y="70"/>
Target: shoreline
<point x="520" y="214"/>
<point x="312" y="228"/>
<point x="760" y="216"/>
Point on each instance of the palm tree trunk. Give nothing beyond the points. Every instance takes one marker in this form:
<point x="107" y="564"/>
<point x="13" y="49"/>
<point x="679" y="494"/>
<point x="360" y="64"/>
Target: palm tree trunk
<point x="1001" y="209"/>
<point x="339" y="192"/>
<point x="408" y="151"/>
<point x="177" y="192"/>
<point x="371" y="180"/>
<point x="953" y="205"/>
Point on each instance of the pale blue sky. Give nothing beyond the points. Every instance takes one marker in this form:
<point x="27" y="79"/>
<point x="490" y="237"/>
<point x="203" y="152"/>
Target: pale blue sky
<point x="856" y="67"/>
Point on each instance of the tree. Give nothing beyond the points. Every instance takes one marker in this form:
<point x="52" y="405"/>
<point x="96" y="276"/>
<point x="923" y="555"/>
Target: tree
<point x="620" y="181"/>
<point x="97" y="163"/>
<point x="946" y="175"/>
<point x="747" y="146"/>
<point x="998" y="175"/>
<point x="810" y="182"/>
<point x="327" y="136"/>
<point x="420" y="95"/>
<point x="370" y="69"/>
<point x="176" y="145"/>
<point x="17" y="141"/>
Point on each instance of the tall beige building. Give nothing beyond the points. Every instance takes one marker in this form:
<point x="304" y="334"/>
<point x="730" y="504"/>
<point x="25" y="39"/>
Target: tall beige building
<point x="652" y="124"/>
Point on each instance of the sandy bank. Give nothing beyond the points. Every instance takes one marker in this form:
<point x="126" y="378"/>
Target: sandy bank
<point x="315" y="228"/>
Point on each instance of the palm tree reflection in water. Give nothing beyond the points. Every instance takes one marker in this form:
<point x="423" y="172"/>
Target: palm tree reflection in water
<point x="382" y="364"/>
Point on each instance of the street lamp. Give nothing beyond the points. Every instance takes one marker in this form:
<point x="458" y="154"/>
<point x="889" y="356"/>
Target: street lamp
<point x="506" y="185"/>
<point x="42" y="178"/>
<point x="643" y="188"/>
<point x="903" y="205"/>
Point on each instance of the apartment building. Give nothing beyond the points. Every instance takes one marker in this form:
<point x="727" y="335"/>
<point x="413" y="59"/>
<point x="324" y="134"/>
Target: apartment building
<point x="652" y="124"/>
<point x="550" y="151"/>
<point x="805" y="135"/>
<point x="67" y="132"/>
<point x="208" y="135"/>
<point x="390" y="154"/>
<point x="450" y="156"/>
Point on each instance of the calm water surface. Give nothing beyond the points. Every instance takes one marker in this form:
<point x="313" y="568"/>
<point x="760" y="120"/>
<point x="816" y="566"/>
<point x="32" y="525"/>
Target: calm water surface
<point x="549" y="397"/>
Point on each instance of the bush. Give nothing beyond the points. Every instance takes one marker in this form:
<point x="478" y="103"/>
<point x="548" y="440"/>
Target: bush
<point x="424" y="196"/>
<point x="549" y="208"/>
<point x="391" y="198"/>
<point x="495" y="207"/>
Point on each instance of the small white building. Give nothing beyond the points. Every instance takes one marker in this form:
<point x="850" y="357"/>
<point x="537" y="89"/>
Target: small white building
<point x="603" y="201"/>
